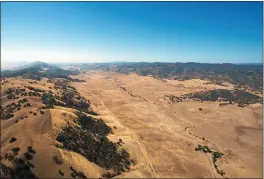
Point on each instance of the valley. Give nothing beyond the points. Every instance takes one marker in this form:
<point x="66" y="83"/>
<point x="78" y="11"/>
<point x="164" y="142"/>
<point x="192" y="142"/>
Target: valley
<point x="131" y="90"/>
<point x="105" y="124"/>
<point x="164" y="127"/>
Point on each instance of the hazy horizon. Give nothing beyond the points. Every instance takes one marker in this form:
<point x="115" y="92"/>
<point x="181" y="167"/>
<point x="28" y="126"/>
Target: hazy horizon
<point x="10" y="66"/>
<point x="89" y="32"/>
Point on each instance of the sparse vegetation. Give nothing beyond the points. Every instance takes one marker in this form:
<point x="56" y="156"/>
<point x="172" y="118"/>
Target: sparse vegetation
<point x="205" y="149"/>
<point x="96" y="126"/>
<point x="13" y="139"/>
<point x="15" y="150"/>
<point x="57" y="160"/>
<point x="69" y="97"/>
<point x="90" y="141"/>
<point x="31" y="150"/>
<point x="35" y="89"/>
<point x="109" y="174"/>
<point x="61" y="173"/>
<point x="30" y="165"/>
<point x="28" y="156"/>
<point x="237" y="96"/>
<point x="8" y="110"/>
<point x="76" y="174"/>
<point x="215" y="156"/>
<point x="20" y="169"/>
<point x="48" y="99"/>
<point x="9" y="157"/>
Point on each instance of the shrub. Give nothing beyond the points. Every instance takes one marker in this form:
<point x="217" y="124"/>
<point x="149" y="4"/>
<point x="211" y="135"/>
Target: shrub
<point x="95" y="146"/>
<point x="15" y="150"/>
<point x="48" y="99"/>
<point x="109" y="174"/>
<point x="133" y="162"/>
<point x="221" y="172"/>
<point x="19" y="170"/>
<point x="81" y="175"/>
<point x="73" y="175"/>
<point x="61" y="173"/>
<point x="18" y="161"/>
<point x="57" y="160"/>
<point x="30" y="149"/>
<point x="30" y="165"/>
<point x="217" y="155"/>
<point x="13" y="139"/>
<point x="205" y="149"/>
<point x="28" y="156"/>
<point x="10" y="157"/>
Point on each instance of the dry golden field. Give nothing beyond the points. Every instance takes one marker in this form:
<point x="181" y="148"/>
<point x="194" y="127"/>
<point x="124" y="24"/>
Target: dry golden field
<point x="160" y="136"/>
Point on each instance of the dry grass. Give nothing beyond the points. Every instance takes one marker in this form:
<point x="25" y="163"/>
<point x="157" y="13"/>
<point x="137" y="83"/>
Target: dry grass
<point x="159" y="135"/>
<point x="161" y="129"/>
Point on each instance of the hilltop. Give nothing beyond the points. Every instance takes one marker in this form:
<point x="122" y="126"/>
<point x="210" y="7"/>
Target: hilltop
<point x="37" y="70"/>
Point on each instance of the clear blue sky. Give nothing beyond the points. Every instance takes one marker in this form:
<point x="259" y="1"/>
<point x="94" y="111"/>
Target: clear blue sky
<point x="214" y="32"/>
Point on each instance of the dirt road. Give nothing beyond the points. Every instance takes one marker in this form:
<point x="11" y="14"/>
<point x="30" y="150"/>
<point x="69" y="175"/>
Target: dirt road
<point x="154" y="128"/>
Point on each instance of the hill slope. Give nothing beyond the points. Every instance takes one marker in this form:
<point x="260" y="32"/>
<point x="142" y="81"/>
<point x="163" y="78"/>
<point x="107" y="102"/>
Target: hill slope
<point x="36" y="70"/>
<point x="46" y="125"/>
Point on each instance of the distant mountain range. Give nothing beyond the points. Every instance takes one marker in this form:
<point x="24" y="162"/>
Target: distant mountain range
<point x="247" y="75"/>
<point x="36" y="70"/>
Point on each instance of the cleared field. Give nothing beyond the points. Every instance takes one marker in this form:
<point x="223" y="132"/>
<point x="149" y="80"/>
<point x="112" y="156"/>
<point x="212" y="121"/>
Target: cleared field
<point x="167" y="133"/>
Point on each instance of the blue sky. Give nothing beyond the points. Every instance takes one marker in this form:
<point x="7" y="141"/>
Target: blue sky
<point x="214" y="32"/>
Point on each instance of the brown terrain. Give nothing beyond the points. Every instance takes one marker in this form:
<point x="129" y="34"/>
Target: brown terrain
<point x="160" y="135"/>
<point x="164" y="134"/>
